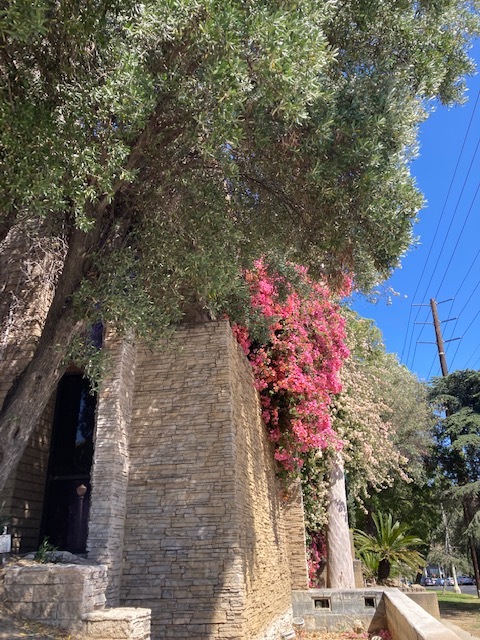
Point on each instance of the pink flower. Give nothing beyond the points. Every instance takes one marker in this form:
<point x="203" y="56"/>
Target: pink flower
<point x="297" y="370"/>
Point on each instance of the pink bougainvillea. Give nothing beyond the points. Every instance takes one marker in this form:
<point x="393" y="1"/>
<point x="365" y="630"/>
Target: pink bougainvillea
<point x="317" y="558"/>
<point x="296" y="370"/>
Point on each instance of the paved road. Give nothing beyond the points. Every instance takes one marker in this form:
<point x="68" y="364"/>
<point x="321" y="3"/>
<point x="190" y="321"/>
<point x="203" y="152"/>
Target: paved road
<point x="471" y="589"/>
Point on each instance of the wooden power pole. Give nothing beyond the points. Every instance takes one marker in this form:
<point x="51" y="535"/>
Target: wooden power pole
<point x="439" y="337"/>
<point x="443" y="365"/>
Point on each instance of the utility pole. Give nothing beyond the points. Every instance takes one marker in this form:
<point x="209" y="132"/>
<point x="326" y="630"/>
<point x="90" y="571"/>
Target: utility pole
<point x="439" y="337"/>
<point x="444" y="368"/>
<point x="443" y="365"/>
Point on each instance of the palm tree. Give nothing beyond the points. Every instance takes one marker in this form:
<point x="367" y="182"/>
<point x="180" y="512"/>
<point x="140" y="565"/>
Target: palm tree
<point x="391" y="546"/>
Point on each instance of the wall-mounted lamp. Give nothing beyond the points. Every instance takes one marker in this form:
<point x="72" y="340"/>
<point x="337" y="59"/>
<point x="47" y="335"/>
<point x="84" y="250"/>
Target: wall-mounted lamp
<point x="81" y="490"/>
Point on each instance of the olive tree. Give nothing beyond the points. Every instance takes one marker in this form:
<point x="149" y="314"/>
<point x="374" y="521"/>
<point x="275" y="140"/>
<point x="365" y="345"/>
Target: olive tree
<point x="159" y="146"/>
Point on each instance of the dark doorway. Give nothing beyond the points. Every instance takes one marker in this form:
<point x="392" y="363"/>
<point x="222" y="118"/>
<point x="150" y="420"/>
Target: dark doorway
<point x="67" y="497"/>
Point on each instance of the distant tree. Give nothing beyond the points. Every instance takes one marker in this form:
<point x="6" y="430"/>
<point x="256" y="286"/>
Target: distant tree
<point x="456" y="455"/>
<point x="404" y="500"/>
<point x="159" y="147"/>
<point x="382" y="415"/>
<point x="388" y="473"/>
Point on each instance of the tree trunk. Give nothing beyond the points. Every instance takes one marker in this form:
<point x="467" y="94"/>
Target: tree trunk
<point x="384" y="568"/>
<point x="339" y="549"/>
<point x="468" y="516"/>
<point x="25" y="401"/>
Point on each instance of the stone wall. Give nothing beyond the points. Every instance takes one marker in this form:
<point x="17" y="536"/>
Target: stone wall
<point x="55" y="594"/>
<point x="186" y="515"/>
<point x="72" y="598"/>
<point x="259" y="505"/>
<point x="122" y="623"/>
<point x="296" y="541"/>
<point x="24" y="493"/>
<point x="205" y="542"/>
<point x="109" y="477"/>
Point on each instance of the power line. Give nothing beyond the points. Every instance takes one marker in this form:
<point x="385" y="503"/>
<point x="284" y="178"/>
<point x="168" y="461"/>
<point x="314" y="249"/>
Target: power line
<point x="461" y="230"/>
<point x="476" y="362"/>
<point x="460" y="313"/>
<point x="447" y="235"/>
<point x="466" y="330"/>
<point x="467" y="274"/>
<point x="449" y="315"/>
<point x="431" y="367"/>
<point x="436" y="232"/>
<point x="452" y="219"/>
<point x="419" y="335"/>
<point x="471" y="356"/>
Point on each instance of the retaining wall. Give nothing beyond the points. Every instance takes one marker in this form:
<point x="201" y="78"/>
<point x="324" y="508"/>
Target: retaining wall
<point x="408" y="616"/>
<point x="71" y="597"/>
<point x="55" y="594"/>
<point x="337" y="609"/>
<point x="407" y="620"/>
<point x="122" y="623"/>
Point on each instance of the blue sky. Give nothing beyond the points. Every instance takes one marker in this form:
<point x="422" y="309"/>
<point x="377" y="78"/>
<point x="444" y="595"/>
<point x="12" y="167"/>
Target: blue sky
<point x="445" y="265"/>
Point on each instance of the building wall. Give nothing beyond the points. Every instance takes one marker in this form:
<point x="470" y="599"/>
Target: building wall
<point x="24" y="493"/>
<point x="260" y="505"/>
<point x="205" y="542"/>
<point x="109" y="477"/>
<point x="186" y="513"/>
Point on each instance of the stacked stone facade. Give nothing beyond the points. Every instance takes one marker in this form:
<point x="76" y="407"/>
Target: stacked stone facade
<point x="111" y="464"/>
<point x="59" y="595"/>
<point x="26" y="487"/>
<point x="186" y="514"/>
<point x="205" y="542"/>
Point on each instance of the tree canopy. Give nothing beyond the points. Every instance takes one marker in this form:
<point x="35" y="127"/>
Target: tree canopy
<point x="192" y="117"/>
<point x="456" y="456"/>
<point x="160" y="147"/>
<point x="457" y="430"/>
<point x="382" y="414"/>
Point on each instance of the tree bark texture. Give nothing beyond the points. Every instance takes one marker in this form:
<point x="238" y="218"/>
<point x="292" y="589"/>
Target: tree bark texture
<point x="340" y="573"/>
<point x="384" y="568"/>
<point x="30" y="391"/>
<point x="468" y="516"/>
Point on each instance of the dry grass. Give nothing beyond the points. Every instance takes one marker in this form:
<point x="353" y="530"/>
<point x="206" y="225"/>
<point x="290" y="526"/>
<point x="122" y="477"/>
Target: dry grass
<point x="333" y="635"/>
<point x="13" y="628"/>
<point x="461" y="609"/>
